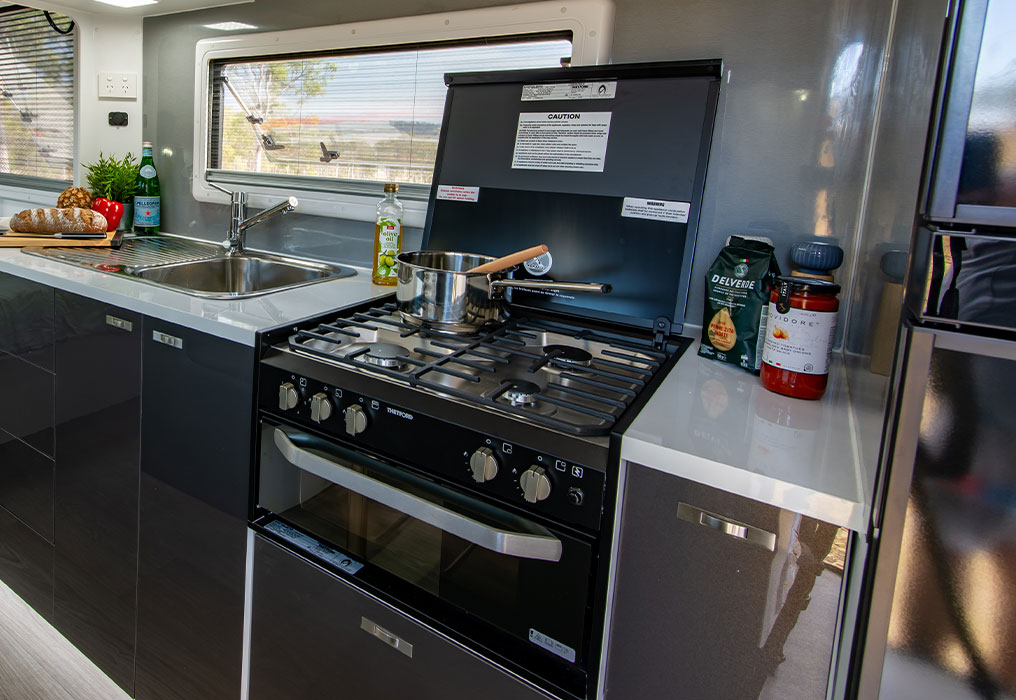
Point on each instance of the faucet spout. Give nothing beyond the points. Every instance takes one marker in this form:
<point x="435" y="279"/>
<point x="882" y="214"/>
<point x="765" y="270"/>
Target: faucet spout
<point x="281" y="208"/>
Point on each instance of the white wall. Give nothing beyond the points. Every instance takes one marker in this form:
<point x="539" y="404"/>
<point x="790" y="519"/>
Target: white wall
<point x="105" y="42"/>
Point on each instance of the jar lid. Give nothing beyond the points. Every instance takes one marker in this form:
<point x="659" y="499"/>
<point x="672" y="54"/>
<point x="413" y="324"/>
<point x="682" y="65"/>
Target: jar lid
<point x="787" y="285"/>
<point x="392" y="187"/>
<point x="809" y="284"/>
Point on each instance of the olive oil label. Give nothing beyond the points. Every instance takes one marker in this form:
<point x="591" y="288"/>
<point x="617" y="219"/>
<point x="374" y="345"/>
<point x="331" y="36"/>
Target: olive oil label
<point x="721" y="331"/>
<point x="799" y="340"/>
<point x="387" y="234"/>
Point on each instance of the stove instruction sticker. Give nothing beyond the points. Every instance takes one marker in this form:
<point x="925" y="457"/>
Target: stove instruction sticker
<point x="569" y="91"/>
<point x="458" y="193"/>
<point x="572" y="141"/>
<point x="656" y="209"/>
<point x="552" y="645"/>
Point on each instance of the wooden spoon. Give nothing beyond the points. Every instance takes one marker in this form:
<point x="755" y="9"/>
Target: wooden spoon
<point x="509" y="260"/>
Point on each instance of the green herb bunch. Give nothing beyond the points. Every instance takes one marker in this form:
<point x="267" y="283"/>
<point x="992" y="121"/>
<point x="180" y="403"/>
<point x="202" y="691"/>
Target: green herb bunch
<point x="114" y="179"/>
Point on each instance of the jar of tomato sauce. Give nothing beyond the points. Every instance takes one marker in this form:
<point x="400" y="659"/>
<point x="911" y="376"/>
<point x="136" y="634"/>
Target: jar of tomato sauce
<point x="800" y="327"/>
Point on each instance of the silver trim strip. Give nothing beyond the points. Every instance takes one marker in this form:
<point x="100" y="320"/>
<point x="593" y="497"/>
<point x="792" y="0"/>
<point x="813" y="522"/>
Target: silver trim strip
<point x="514" y="544"/>
<point x="248" y="602"/>
<point x="975" y="345"/>
<point x="733" y="528"/>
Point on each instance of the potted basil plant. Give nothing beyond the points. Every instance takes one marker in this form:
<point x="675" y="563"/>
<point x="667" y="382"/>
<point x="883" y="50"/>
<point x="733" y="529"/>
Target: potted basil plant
<point x="113" y="182"/>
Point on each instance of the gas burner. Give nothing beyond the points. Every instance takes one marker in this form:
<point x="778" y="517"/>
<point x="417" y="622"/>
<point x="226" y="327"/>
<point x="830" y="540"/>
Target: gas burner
<point x="569" y="354"/>
<point x="385" y="355"/>
<point x="522" y="393"/>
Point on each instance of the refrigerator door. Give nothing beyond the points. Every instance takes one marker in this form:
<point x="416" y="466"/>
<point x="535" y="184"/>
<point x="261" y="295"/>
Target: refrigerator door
<point x="943" y="617"/>
<point x="975" y="165"/>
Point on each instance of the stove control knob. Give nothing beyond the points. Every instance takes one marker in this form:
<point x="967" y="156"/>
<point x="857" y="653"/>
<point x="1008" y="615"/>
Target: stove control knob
<point x="535" y="484"/>
<point x="483" y="464"/>
<point x="288" y="398"/>
<point x="320" y="407"/>
<point x="356" y="420"/>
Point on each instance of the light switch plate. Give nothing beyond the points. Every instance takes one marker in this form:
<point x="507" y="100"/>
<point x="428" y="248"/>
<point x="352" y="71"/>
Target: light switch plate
<point x="118" y="86"/>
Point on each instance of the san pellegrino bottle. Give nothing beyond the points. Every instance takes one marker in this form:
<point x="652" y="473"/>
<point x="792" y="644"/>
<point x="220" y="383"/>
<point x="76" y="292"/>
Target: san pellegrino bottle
<point x="147" y="202"/>
<point x="387" y="238"/>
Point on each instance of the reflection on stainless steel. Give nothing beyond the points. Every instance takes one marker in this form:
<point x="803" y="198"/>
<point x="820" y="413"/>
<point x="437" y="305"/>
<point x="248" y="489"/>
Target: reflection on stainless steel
<point x="197" y="268"/>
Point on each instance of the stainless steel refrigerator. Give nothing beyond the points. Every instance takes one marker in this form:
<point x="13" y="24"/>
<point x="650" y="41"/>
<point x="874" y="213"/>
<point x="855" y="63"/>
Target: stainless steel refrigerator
<point x="942" y="616"/>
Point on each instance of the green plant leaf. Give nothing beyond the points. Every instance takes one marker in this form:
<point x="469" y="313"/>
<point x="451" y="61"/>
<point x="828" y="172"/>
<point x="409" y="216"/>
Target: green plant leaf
<point x="113" y="179"/>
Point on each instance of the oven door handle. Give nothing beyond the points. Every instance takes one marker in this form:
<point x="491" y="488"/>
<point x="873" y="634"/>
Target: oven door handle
<point x="514" y="544"/>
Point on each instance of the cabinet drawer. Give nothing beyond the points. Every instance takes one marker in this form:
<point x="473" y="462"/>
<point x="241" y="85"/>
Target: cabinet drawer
<point x="26" y="411"/>
<point x="26" y="320"/>
<point x="26" y="484"/>
<point x="315" y="636"/>
<point x="26" y="564"/>
<point x="719" y="595"/>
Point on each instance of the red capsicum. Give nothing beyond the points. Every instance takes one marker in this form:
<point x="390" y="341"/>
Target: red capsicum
<point x="113" y="211"/>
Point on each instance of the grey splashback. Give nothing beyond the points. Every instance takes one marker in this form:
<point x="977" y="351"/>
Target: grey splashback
<point x="791" y="145"/>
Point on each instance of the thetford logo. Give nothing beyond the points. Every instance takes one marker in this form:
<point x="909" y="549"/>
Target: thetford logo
<point x="400" y="414"/>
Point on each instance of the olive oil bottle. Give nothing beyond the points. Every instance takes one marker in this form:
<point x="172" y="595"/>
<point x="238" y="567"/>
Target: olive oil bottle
<point x="387" y="238"/>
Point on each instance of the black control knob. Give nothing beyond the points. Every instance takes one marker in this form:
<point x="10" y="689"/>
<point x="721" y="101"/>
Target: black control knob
<point x="535" y="484"/>
<point x="575" y="496"/>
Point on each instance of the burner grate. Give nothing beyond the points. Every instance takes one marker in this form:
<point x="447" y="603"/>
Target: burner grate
<point x="590" y="396"/>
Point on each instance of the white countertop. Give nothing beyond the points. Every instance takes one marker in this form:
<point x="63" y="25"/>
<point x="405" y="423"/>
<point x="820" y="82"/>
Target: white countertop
<point x="715" y="424"/>
<point x="237" y="320"/>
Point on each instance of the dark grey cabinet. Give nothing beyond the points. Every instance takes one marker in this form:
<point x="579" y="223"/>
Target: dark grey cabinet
<point x="314" y="636"/>
<point x="719" y="597"/>
<point x="26" y="440"/>
<point x="197" y="415"/>
<point x="98" y="422"/>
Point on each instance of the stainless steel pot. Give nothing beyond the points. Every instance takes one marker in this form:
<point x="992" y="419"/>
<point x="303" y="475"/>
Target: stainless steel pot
<point x="436" y="291"/>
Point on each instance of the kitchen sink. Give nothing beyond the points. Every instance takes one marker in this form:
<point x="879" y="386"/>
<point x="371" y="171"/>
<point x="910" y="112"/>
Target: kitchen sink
<point x="236" y="276"/>
<point x="198" y="267"/>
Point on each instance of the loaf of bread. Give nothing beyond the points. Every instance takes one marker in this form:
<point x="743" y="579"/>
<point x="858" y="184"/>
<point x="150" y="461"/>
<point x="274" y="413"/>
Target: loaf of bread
<point x="53" y="220"/>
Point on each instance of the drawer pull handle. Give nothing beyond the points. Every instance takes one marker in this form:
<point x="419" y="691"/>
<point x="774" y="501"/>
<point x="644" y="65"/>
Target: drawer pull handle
<point x="119" y="323"/>
<point x="732" y="528"/>
<point x="392" y="640"/>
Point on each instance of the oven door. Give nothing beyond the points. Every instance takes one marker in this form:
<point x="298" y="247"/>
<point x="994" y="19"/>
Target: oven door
<point x="478" y="569"/>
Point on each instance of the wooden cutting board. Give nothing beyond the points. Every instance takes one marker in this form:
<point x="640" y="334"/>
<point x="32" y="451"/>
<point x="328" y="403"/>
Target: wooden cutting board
<point x="49" y="241"/>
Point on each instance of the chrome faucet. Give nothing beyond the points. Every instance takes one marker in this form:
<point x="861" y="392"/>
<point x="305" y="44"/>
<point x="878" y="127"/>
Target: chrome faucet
<point x="239" y="222"/>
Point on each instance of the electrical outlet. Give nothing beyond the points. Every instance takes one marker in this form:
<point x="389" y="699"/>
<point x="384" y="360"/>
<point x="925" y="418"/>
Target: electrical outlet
<point x="118" y="86"/>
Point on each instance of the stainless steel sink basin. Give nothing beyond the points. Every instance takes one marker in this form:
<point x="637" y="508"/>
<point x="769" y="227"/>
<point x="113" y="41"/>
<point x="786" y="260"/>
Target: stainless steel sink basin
<point x="197" y="267"/>
<point x="235" y="276"/>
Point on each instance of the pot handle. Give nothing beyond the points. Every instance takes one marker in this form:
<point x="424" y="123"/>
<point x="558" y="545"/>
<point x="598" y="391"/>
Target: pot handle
<point x="496" y="286"/>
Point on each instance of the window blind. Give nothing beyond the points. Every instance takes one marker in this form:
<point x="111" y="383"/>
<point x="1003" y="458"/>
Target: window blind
<point x="370" y="115"/>
<point x="36" y="94"/>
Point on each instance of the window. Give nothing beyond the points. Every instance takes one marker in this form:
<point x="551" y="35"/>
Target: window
<point x="364" y="115"/>
<point x="36" y="95"/>
<point x="333" y="112"/>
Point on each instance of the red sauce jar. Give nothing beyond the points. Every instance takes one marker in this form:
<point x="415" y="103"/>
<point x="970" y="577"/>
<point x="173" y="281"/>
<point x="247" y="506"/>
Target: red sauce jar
<point x="800" y="327"/>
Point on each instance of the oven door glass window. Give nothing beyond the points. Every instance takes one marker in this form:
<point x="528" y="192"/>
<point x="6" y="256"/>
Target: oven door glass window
<point x="494" y="566"/>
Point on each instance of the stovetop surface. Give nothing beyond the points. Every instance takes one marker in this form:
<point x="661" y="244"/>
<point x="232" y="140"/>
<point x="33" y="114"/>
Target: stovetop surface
<point x="554" y="373"/>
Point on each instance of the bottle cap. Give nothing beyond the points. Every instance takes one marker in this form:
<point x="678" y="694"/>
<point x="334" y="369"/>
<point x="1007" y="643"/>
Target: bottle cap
<point x="391" y="187"/>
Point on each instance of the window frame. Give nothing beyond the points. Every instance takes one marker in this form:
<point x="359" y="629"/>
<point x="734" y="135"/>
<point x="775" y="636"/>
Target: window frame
<point x="589" y="21"/>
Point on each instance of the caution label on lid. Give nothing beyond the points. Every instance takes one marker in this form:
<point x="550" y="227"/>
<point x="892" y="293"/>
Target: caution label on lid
<point x="458" y="193"/>
<point x="655" y="209"/>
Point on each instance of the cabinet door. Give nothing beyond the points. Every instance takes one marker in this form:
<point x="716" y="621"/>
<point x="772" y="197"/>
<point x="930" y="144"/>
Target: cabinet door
<point x="197" y="415"/>
<point x="98" y="407"/>
<point x="26" y="440"/>
<point x="720" y="597"/>
<point x="314" y="636"/>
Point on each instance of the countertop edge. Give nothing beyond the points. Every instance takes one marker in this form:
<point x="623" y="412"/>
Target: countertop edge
<point x="826" y="507"/>
<point x="130" y="295"/>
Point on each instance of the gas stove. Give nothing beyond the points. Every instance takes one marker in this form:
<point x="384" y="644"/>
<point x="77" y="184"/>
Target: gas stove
<point x="556" y="375"/>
